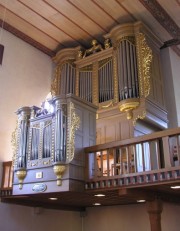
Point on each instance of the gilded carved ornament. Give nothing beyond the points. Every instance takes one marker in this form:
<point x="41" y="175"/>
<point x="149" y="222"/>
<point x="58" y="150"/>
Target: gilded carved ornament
<point x="139" y="116"/>
<point x="55" y="85"/>
<point x="14" y="144"/>
<point x="144" y="53"/>
<point x="73" y="125"/>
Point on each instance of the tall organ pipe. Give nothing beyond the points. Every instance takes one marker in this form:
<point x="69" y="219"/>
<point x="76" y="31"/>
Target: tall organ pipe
<point x="60" y="132"/>
<point x="127" y="70"/>
<point x="67" y="79"/>
<point x="24" y="116"/>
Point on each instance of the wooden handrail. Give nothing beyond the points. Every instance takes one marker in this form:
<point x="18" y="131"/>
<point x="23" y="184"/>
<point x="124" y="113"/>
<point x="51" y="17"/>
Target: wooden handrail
<point x="159" y="150"/>
<point x="135" y="140"/>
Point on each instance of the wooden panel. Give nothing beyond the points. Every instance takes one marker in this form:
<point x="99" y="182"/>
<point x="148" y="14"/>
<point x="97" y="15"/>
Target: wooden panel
<point x="28" y="29"/>
<point x="58" y="19"/>
<point x="7" y="175"/>
<point x="116" y="10"/>
<point x="37" y="21"/>
<point x="95" y="13"/>
<point x="157" y="91"/>
<point x="77" y="16"/>
<point x="110" y="132"/>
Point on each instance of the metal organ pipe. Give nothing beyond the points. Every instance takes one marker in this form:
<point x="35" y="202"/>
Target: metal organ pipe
<point x="24" y="115"/>
<point x="127" y="70"/>
<point x="68" y="74"/>
<point x="60" y="132"/>
<point x="105" y="82"/>
<point x="85" y="85"/>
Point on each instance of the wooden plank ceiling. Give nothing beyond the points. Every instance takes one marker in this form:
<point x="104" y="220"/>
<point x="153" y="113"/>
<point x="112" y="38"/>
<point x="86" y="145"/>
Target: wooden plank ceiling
<point x="50" y="25"/>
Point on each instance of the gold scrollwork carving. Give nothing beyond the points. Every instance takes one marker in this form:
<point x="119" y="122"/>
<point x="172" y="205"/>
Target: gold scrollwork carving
<point x="144" y="53"/>
<point x="14" y="143"/>
<point x="109" y="104"/>
<point x="115" y="76"/>
<point x="54" y="84"/>
<point x="73" y="125"/>
<point x="139" y="116"/>
<point x="95" y="84"/>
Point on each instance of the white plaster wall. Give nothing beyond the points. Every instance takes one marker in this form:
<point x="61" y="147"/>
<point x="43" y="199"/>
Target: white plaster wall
<point x="168" y="77"/>
<point x="25" y="77"/>
<point x="117" y="218"/>
<point x="170" y="217"/>
<point x="175" y="64"/>
<point x="22" y="218"/>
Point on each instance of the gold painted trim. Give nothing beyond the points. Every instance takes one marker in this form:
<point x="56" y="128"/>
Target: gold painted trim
<point x="55" y="82"/>
<point x="115" y="75"/>
<point x="95" y="84"/>
<point x="77" y="82"/>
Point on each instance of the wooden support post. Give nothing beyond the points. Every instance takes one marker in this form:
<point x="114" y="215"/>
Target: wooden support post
<point x="166" y="152"/>
<point x="154" y="209"/>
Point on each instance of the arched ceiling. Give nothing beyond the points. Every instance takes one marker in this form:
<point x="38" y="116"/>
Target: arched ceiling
<point x="50" y="25"/>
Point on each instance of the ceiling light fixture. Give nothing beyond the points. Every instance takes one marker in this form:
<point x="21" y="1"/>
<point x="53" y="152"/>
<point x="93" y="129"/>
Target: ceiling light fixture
<point x="96" y="204"/>
<point x="175" y="187"/>
<point x="141" y="201"/>
<point x="99" y="195"/>
<point x="53" y="198"/>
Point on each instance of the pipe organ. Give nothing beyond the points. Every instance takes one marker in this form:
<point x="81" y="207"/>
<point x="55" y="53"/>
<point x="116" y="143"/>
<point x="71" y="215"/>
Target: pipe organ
<point x="50" y="143"/>
<point x="110" y="89"/>
<point x="119" y="79"/>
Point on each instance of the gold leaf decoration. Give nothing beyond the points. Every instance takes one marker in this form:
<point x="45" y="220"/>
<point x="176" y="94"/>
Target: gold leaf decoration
<point x="14" y="143"/>
<point x="73" y="125"/>
<point x="144" y="64"/>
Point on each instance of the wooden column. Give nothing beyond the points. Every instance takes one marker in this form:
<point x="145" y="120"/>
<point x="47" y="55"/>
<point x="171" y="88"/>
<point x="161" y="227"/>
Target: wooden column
<point x="154" y="209"/>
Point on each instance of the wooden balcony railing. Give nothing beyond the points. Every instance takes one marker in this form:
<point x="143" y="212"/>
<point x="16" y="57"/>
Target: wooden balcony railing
<point x="137" y="160"/>
<point x="146" y="159"/>
<point x="7" y="178"/>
